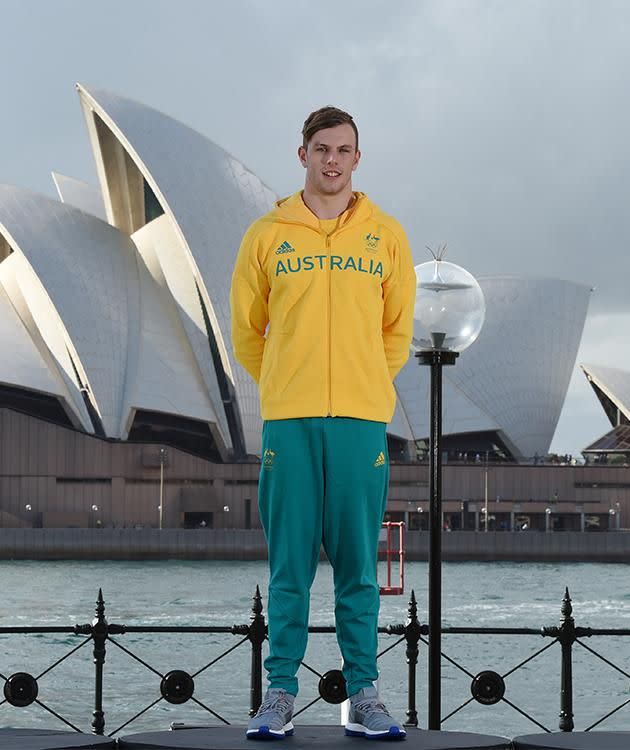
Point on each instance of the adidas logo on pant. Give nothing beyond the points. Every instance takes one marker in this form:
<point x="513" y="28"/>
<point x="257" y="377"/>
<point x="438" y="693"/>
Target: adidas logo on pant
<point x="380" y="459"/>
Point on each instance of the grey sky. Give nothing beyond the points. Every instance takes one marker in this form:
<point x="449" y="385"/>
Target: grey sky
<point x="501" y="128"/>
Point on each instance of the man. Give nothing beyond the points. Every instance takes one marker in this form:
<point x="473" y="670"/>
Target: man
<point x="322" y="311"/>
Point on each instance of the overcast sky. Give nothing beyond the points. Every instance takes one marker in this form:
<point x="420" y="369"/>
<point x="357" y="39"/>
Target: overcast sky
<point x="501" y="128"/>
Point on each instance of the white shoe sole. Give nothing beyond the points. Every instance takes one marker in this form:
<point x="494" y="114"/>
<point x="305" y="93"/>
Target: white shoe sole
<point x="264" y="733"/>
<point x="358" y="730"/>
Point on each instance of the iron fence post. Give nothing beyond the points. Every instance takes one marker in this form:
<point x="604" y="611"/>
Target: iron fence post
<point x="413" y="631"/>
<point x="99" y="636"/>
<point x="566" y="636"/>
<point x="256" y="635"/>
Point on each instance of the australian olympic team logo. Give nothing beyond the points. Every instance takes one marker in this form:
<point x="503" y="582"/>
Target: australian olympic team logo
<point x="268" y="459"/>
<point x="371" y="242"/>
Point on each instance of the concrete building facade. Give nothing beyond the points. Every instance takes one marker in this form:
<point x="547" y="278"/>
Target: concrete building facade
<point x="59" y="477"/>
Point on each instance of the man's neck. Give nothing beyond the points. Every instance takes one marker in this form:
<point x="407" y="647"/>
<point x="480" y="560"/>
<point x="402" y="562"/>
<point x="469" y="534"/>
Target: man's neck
<point x="328" y="207"/>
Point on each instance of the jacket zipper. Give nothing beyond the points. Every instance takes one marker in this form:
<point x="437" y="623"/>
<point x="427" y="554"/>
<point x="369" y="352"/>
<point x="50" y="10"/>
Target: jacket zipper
<point x="328" y="247"/>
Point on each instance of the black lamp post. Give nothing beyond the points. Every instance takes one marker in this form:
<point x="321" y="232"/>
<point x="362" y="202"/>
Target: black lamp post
<point x="436" y="359"/>
<point x="449" y="314"/>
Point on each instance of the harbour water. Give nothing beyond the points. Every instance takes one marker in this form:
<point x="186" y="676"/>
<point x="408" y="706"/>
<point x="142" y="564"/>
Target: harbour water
<point x="220" y="593"/>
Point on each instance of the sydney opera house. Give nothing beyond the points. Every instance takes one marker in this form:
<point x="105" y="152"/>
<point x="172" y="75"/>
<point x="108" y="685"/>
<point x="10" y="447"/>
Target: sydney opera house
<point x="121" y="401"/>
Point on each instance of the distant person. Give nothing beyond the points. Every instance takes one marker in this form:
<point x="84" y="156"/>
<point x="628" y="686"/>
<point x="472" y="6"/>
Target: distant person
<point x="322" y="306"/>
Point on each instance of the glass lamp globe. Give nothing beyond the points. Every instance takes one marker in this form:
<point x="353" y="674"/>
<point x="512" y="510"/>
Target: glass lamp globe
<point x="450" y="307"/>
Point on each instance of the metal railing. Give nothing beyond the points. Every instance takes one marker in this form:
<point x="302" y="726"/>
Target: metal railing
<point x="487" y="688"/>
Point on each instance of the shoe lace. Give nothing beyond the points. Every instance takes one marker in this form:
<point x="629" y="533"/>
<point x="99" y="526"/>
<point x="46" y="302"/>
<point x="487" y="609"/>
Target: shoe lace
<point x="275" y="703"/>
<point x="371" y="706"/>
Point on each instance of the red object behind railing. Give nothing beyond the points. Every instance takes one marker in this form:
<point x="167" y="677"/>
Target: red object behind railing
<point x="390" y="552"/>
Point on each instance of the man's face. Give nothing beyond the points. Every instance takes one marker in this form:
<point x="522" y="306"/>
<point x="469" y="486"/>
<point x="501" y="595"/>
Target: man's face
<point x="330" y="159"/>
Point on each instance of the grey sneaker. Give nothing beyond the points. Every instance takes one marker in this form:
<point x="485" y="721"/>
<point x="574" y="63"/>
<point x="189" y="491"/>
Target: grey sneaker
<point x="369" y="718"/>
<point x="273" y="719"/>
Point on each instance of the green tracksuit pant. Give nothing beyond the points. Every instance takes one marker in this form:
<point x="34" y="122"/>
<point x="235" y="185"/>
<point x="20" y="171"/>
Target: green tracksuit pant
<point x="323" y="480"/>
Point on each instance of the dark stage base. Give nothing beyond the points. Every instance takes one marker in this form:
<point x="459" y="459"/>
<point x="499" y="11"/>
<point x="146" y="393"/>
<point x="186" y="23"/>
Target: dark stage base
<point x="574" y="741"/>
<point x="50" y="739"/>
<point x="326" y="737"/>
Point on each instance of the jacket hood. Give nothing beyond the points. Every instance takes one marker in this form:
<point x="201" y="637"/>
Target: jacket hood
<point x="293" y="210"/>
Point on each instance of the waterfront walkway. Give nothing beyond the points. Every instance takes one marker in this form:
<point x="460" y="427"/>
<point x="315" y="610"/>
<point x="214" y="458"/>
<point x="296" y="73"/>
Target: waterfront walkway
<point x="249" y="544"/>
<point x="326" y="738"/>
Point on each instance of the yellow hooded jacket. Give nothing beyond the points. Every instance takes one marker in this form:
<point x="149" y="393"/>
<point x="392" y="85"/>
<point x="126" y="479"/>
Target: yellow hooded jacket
<point x="323" y="321"/>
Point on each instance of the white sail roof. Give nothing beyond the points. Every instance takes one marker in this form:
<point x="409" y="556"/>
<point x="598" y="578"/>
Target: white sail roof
<point x="210" y="197"/>
<point x="99" y="320"/>
<point x="514" y="377"/>
<point x="613" y="383"/>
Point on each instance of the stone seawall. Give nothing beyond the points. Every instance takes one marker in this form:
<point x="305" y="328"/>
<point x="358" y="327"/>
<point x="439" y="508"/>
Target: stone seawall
<point x="236" y="544"/>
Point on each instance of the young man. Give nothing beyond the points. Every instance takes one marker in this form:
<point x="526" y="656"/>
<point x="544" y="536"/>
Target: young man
<point x="322" y="305"/>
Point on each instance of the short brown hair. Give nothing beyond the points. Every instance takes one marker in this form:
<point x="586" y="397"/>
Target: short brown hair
<point x="326" y="117"/>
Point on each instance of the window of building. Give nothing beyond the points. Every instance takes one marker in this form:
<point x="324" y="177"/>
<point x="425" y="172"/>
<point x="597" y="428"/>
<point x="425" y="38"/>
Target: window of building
<point x="152" y="206"/>
<point x="196" y="520"/>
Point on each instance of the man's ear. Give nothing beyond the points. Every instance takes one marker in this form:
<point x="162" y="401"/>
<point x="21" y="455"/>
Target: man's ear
<point x="302" y="155"/>
<point x="357" y="158"/>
